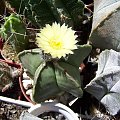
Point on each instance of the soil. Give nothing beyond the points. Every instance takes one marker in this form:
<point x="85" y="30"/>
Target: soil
<point x="10" y="111"/>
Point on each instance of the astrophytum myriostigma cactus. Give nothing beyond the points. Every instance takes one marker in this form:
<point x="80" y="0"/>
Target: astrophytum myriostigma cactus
<point x="51" y="78"/>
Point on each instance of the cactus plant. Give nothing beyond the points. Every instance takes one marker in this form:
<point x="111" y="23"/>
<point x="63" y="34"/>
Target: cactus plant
<point x="54" y="78"/>
<point x="14" y="32"/>
<point x="38" y="12"/>
<point x="48" y="11"/>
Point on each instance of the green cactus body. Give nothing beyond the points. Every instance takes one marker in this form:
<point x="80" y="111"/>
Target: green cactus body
<point x="31" y="60"/>
<point x="14" y="32"/>
<point x="51" y="78"/>
<point x="45" y="86"/>
<point x="41" y="12"/>
<point x="68" y="78"/>
<point x="72" y="10"/>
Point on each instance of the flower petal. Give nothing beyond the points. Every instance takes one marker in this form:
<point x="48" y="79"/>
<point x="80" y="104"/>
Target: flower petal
<point x="57" y="40"/>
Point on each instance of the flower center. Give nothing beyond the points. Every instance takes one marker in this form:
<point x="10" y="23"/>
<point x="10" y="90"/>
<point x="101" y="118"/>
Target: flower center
<point x="55" y="44"/>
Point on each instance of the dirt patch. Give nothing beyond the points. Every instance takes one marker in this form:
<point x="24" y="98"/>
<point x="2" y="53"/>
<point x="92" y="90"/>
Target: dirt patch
<point x="10" y="111"/>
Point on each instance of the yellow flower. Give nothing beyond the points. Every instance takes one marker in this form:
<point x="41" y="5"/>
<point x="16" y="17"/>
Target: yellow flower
<point x="57" y="40"/>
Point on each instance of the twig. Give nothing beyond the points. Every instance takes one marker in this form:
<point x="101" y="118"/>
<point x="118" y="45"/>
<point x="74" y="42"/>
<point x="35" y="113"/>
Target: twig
<point x="11" y="63"/>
